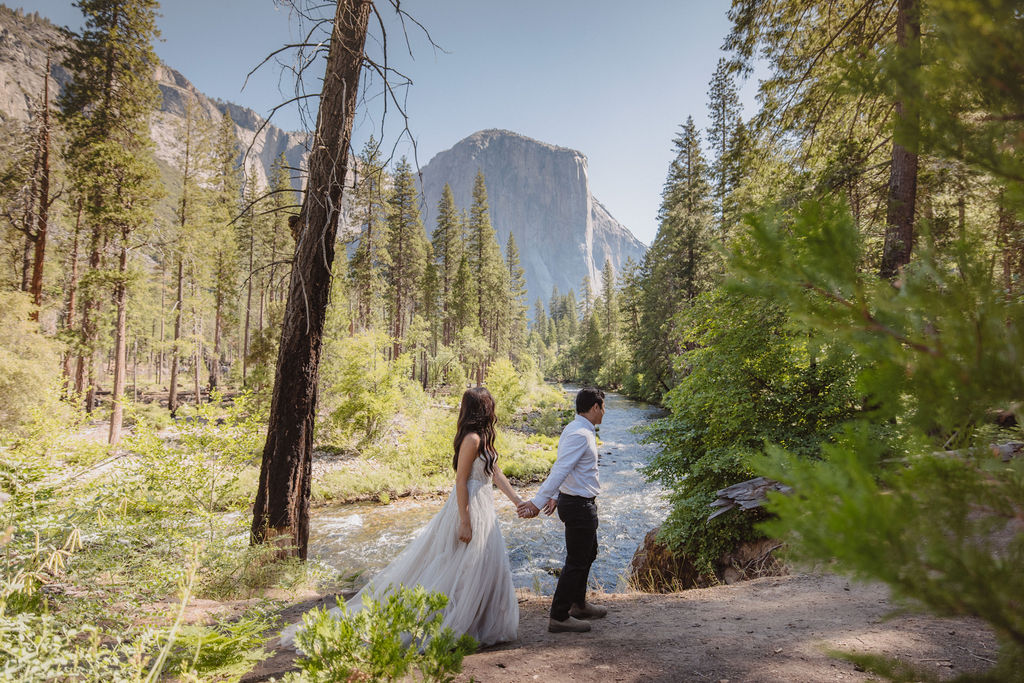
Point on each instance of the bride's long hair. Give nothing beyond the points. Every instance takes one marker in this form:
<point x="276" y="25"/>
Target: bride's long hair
<point x="477" y="415"/>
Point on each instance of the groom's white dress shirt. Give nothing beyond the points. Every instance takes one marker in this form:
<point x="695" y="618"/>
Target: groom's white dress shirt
<point x="575" y="468"/>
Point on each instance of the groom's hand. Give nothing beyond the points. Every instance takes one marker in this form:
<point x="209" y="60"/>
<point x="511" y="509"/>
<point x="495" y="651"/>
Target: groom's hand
<point x="527" y="509"/>
<point x="550" y="506"/>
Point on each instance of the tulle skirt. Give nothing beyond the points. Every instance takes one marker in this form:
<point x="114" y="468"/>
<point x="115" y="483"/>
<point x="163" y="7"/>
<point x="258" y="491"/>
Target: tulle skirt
<point x="476" y="576"/>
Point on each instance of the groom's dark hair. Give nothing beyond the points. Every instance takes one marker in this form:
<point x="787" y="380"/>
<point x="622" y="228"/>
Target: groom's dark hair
<point x="587" y="398"/>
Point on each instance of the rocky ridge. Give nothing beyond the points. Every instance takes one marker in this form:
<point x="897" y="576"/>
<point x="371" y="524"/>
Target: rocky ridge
<point x="25" y="40"/>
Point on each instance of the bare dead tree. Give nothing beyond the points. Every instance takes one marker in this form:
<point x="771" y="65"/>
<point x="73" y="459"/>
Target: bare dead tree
<point x="281" y="509"/>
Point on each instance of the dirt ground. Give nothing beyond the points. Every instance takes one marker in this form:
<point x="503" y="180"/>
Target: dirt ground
<point x="770" y="629"/>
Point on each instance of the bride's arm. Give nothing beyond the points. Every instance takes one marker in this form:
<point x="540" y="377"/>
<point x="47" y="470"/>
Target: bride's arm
<point x="467" y="454"/>
<point x="505" y="487"/>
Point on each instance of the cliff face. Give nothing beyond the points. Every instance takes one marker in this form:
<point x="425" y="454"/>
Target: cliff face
<point x="541" y="194"/>
<point x="24" y="42"/>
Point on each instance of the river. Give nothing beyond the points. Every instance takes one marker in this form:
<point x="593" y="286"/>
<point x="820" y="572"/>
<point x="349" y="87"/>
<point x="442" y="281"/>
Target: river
<point x="364" y="537"/>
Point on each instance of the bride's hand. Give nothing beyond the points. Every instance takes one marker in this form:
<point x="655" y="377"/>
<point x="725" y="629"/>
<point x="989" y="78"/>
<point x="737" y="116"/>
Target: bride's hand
<point x="465" y="532"/>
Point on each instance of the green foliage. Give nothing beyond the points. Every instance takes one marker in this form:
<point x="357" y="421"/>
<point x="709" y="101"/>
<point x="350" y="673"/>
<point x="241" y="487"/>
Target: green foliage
<point x="384" y="641"/>
<point x="748" y="377"/>
<point x="938" y="355"/>
<point x="362" y="390"/>
<point x="507" y="388"/>
<point x="28" y="361"/>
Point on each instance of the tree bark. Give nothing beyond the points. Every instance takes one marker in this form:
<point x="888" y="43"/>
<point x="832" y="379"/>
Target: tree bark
<point x="172" y="397"/>
<point x="44" y="196"/>
<point x="120" y="344"/>
<point x="69" y="317"/>
<point x="281" y="510"/>
<point x="902" y="197"/>
<point x="85" y="373"/>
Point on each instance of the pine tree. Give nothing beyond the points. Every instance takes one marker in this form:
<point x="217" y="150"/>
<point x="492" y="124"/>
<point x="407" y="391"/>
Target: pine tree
<point x="724" y="109"/>
<point x="464" y="297"/>
<point x="609" y="303"/>
<point x="486" y="264"/>
<point x="407" y="247"/>
<point x="370" y="259"/>
<point x="226" y="195"/>
<point x="678" y="265"/>
<point x="105" y="109"/>
<point x="517" y="297"/>
<point x="448" y="246"/>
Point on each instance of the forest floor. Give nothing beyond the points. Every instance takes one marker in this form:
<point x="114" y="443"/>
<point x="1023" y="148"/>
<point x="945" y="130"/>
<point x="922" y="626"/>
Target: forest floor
<point x="771" y="629"/>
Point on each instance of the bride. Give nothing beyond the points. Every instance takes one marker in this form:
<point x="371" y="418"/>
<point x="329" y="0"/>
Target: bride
<point x="460" y="552"/>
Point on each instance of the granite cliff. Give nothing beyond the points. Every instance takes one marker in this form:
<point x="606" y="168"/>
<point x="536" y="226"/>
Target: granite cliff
<point x="541" y="194"/>
<point x="25" y="39"/>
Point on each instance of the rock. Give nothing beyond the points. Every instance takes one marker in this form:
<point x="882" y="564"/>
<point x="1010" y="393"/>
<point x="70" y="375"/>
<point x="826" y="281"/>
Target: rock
<point x="656" y="569"/>
<point x="541" y="194"/>
<point x="24" y="41"/>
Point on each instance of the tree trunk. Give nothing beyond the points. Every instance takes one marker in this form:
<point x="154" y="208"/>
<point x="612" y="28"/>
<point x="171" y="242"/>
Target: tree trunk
<point x="163" y="293"/>
<point x="198" y="358"/>
<point x="281" y="510"/>
<point x="85" y="373"/>
<point x="120" y="344"/>
<point x="215" y="361"/>
<point x="172" y="397"/>
<point x="69" y="317"/>
<point x="248" y="304"/>
<point x="44" y="195"/>
<point x="899" y="231"/>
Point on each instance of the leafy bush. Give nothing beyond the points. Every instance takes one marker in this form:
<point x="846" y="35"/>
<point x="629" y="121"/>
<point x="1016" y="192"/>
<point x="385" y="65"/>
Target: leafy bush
<point x="28" y="361"/>
<point x="913" y="494"/>
<point x="507" y="388"/>
<point x="383" y="641"/>
<point x="749" y="377"/>
<point x="361" y="389"/>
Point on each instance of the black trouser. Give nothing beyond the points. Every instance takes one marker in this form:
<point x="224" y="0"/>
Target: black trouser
<point x="580" y="518"/>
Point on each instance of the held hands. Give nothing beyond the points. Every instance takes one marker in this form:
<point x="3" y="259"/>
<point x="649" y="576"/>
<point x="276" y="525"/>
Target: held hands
<point x="528" y="510"/>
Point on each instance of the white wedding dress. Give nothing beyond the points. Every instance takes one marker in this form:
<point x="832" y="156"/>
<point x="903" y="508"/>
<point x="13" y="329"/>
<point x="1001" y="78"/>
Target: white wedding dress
<point x="476" y="576"/>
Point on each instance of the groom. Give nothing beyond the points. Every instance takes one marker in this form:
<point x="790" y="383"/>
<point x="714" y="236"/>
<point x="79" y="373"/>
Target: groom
<point x="571" y="487"/>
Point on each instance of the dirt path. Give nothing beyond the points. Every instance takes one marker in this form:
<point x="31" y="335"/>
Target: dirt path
<point x="772" y="629"/>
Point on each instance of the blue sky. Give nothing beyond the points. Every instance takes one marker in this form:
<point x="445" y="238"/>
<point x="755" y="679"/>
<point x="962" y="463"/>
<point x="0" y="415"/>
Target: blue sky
<point x="614" y="80"/>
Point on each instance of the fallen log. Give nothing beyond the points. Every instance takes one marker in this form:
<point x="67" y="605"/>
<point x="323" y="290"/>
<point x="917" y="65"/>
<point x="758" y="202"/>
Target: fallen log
<point x="746" y="495"/>
<point x="753" y="493"/>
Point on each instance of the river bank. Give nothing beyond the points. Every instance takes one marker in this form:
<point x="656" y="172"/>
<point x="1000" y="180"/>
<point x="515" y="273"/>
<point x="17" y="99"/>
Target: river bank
<point x="772" y="629"/>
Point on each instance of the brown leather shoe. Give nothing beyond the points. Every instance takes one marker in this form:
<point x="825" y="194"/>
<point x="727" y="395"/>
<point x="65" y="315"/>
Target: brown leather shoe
<point x="570" y="625"/>
<point x="588" y="611"/>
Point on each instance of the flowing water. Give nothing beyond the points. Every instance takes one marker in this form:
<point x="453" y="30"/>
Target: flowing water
<point x="364" y="537"/>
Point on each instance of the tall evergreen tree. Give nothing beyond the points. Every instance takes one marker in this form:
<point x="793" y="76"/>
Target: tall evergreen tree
<point x="225" y="185"/>
<point x="517" y="297"/>
<point x="486" y="264"/>
<point x="448" y="246"/>
<point x="678" y="265"/>
<point x="105" y="109"/>
<point x="407" y="247"/>
<point x="609" y="303"/>
<point x="370" y="258"/>
<point x="724" y="110"/>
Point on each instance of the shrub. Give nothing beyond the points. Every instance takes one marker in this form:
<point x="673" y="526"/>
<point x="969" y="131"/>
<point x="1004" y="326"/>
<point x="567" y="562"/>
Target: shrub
<point x="28" y="361"/>
<point x="383" y="641"/>
<point x="750" y="376"/>
<point x="507" y="388"/>
<point x="361" y="389"/>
